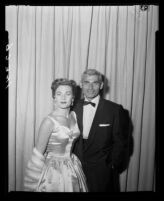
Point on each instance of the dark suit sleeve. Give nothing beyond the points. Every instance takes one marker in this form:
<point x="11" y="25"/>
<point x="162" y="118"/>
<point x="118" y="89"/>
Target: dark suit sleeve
<point x="120" y="136"/>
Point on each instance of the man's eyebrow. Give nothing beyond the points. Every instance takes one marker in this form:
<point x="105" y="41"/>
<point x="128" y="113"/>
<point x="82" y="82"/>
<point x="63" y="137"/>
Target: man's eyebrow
<point x="91" y="82"/>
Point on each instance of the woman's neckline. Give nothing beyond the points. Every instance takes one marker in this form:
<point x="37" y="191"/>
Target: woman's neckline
<point x="67" y="116"/>
<point x="53" y="116"/>
<point x="61" y="113"/>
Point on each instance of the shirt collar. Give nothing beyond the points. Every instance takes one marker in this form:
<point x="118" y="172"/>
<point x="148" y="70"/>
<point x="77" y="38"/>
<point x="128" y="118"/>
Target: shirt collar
<point x="94" y="100"/>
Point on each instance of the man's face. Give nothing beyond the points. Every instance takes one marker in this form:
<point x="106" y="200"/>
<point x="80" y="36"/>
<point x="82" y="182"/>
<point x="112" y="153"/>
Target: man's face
<point x="91" y="86"/>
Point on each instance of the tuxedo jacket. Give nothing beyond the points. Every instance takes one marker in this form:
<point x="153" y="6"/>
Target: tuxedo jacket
<point x="100" y="154"/>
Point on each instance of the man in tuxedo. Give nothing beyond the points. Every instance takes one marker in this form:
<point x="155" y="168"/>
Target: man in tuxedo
<point x="102" y="140"/>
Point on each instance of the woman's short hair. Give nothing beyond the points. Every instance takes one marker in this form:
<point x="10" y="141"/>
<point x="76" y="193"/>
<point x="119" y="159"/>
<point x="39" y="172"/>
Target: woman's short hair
<point x="92" y="72"/>
<point x="63" y="81"/>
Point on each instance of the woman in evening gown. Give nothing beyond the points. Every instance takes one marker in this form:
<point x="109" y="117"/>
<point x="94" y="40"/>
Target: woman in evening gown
<point x="52" y="166"/>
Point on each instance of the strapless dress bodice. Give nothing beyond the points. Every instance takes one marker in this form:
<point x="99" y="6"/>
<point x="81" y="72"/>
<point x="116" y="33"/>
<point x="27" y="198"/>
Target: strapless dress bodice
<point x="61" y="140"/>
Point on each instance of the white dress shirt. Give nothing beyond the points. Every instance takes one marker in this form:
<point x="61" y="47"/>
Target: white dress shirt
<point x="88" y="116"/>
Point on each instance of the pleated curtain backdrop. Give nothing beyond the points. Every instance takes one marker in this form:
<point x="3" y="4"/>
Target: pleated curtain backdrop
<point x="48" y="42"/>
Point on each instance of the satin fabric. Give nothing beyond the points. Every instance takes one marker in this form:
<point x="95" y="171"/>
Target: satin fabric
<point x="62" y="171"/>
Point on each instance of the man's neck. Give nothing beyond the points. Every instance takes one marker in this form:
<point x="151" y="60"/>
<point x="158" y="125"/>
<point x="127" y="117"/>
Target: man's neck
<point x="90" y="99"/>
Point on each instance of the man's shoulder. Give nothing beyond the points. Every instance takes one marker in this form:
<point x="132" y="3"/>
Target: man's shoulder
<point x="113" y="107"/>
<point x="110" y="103"/>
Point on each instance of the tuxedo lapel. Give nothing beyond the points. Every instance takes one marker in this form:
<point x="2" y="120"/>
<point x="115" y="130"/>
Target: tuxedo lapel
<point x="80" y="115"/>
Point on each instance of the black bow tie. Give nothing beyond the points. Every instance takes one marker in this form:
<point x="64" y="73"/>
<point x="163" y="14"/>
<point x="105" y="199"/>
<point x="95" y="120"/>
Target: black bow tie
<point x="88" y="102"/>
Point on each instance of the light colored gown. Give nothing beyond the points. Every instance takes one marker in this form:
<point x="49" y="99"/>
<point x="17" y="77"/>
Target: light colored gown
<point x="62" y="170"/>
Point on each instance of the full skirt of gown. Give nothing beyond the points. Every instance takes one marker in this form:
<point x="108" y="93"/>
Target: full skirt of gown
<point x="62" y="174"/>
<point x="58" y="170"/>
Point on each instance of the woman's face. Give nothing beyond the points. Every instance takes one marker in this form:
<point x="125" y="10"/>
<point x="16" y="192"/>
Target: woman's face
<point x="63" y="96"/>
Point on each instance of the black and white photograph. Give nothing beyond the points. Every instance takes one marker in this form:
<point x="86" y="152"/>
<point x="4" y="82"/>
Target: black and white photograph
<point x="82" y="98"/>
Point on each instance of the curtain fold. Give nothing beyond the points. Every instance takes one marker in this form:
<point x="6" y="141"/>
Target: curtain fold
<point x="12" y="29"/>
<point x="49" y="42"/>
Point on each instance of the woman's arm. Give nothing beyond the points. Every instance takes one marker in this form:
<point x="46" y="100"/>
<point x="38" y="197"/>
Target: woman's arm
<point x="35" y="164"/>
<point x="44" y="134"/>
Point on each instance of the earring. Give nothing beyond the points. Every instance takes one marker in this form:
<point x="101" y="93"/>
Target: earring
<point x="72" y="102"/>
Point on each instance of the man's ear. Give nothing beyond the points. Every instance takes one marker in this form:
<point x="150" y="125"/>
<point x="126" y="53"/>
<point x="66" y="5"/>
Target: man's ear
<point x="101" y="86"/>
